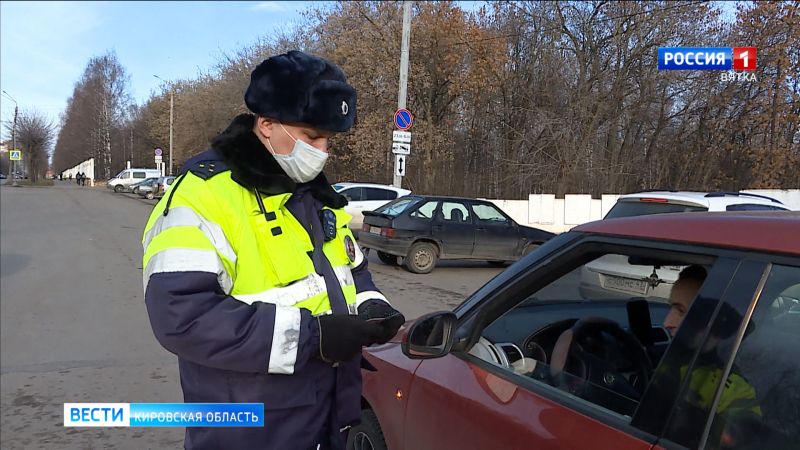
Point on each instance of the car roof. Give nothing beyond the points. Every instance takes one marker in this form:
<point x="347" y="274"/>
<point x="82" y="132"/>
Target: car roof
<point x="711" y="200"/>
<point x="385" y="186"/>
<point x="449" y="197"/>
<point x="770" y="231"/>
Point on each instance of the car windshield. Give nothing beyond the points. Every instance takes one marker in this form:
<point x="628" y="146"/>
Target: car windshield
<point x="630" y="208"/>
<point x="396" y="207"/>
<point x="338" y="187"/>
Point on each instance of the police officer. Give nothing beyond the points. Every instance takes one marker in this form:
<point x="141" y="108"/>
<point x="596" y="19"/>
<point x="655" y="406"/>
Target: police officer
<point x="251" y="275"/>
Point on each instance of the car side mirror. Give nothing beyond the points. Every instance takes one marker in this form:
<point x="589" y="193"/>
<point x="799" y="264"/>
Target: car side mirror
<point x="431" y="336"/>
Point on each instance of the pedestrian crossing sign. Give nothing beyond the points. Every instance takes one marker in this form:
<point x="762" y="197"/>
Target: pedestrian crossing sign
<point x="16" y="155"/>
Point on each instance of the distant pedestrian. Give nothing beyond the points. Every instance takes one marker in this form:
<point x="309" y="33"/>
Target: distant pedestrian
<point x="78" y="178"/>
<point x="83" y="179"/>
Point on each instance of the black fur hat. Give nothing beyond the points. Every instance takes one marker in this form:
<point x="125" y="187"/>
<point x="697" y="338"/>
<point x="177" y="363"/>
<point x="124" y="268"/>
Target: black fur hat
<point x="297" y="87"/>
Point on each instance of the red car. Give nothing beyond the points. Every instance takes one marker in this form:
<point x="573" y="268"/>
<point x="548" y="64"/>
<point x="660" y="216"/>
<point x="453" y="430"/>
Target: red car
<point x="526" y="362"/>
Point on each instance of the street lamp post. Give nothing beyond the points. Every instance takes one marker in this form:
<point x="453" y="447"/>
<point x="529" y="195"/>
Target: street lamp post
<point x="171" y="115"/>
<point x="12" y="164"/>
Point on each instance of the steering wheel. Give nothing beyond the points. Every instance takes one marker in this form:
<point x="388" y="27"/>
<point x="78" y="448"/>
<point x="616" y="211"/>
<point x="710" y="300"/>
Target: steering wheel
<point x="595" y="359"/>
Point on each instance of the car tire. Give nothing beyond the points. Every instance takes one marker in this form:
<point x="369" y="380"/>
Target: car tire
<point x="367" y="435"/>
<point x="149" y="195"/>
<point x="118" y="188"/>
<point x="387" y="259"/>
<point x="421" y="257"/>
<point x="530" y="248"/>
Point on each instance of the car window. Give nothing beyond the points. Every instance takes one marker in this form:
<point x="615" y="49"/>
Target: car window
<point x="353" y="194"/>
<point x="141" y="175"/>
<point x="338" y="187"/>
<point x="397" y="207"/>
<point x="455" y="212"/>
<point x="628" y="208"/>
<point x="605" y="359"/>
<point x="760" y="404"/>
<point x="488" y="214"/>
<point x="425" y="211"/>
<point x="753" y="207"/>
<point x="373" y="194"/>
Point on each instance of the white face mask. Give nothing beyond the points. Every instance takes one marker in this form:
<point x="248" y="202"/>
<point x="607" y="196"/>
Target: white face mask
<point x="305" y="161"/>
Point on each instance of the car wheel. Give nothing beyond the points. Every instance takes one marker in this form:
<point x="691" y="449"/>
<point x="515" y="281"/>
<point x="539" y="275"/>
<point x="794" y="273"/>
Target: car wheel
<point x="529" y="249"/>
<point x="118" y="188"/>
<point x="149" y="195"/>
<point x="367" y="435"/>
<point x="388" y="259"/>
<point x="421" y="257"/>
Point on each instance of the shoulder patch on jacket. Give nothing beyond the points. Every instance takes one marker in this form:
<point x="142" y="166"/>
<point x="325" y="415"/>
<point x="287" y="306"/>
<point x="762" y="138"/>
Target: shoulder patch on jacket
<point x="207" y="169"/>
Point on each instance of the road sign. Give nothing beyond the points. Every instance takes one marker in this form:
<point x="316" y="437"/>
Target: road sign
<point x="400" y="165"/>
<point x="158" y="151"/>
<point x="158" y="158"/>
<point x="399" y="148"/>
<point x="403" y="119"/>
<point x="401" y="136"/>
<point x="16" y="155"/>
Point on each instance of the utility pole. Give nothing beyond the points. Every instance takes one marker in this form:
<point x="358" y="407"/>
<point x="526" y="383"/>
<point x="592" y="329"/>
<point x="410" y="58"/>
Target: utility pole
<point x="401" y="95"/>
<point x="13" y="164"/>
<point x="171" y="109"/>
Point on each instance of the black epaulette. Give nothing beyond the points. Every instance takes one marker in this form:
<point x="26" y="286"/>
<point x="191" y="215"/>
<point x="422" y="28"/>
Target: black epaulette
<point x="204" y="169"/>
<point x="207" y="169"/>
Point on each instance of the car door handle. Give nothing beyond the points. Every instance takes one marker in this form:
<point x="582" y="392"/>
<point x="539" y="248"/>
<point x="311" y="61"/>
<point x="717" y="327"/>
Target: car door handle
<point x="480" y="229"/>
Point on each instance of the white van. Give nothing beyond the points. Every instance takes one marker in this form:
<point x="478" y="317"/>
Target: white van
<point x="127" y="177"/>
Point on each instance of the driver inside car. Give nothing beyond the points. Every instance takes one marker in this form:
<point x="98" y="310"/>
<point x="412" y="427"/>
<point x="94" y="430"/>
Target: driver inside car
<point x="738" y="406"/>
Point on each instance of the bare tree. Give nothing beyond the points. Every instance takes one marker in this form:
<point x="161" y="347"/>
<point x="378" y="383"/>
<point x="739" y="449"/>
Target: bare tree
<point x="96" y="114"/>
<point x="35" y="136"/>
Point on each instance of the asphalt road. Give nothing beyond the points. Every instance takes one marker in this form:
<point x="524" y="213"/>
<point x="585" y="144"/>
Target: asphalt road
<point x="73" y="324"/>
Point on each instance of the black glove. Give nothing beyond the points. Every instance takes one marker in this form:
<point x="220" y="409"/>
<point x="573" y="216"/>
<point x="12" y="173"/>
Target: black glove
<point x="341" y="336"/>
<point x="384" y="315"/>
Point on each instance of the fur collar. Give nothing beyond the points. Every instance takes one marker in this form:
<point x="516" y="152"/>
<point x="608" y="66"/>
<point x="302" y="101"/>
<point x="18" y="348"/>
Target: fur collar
<point x="253" y="166"/>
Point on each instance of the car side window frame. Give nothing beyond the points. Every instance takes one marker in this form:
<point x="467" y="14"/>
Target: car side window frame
<point x="422" y="203"/>
<point x="441" y="219"/>
<point x="758" y="310"/>
<point x="509" y="221"/>
<point x="352" y="189"/>
<point x="377" y="194"/>
<point x="745" y="276"/>
<point x="546" y="269"/>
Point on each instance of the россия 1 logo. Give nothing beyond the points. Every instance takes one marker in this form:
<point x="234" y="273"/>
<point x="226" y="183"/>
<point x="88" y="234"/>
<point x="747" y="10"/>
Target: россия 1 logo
<point x="742" y="60"/>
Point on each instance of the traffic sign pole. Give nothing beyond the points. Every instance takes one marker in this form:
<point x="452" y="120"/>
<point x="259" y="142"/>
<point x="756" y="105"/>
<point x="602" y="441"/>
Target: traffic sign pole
<point x="401" y="95"/>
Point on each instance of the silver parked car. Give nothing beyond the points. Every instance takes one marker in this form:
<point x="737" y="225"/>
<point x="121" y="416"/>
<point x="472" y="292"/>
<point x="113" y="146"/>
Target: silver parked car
<point x="159" y="187"/>
<point x="135" y="188"/>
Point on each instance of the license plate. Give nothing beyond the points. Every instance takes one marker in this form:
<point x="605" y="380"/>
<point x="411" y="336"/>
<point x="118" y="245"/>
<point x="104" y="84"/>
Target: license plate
<point x="625" y="284"/>
<point x="375" y="230"/>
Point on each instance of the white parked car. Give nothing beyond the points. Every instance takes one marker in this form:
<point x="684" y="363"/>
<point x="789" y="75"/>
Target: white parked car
<point x="366" y="197"/>
<point x="126" y="178"/>
<point x="612" y="275"/>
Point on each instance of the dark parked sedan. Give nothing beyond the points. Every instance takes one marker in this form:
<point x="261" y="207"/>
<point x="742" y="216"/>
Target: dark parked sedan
<point x="423" y="229"/>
